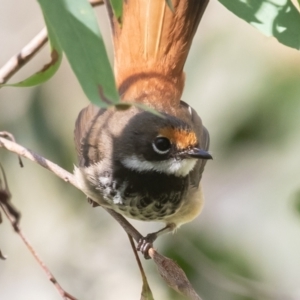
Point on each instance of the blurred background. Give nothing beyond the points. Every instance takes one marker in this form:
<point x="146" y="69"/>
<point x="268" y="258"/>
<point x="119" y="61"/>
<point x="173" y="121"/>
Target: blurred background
<point x="246" y="243"/>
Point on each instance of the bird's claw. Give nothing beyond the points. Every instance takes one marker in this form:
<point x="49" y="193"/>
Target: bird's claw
<point x="145" y="244"/>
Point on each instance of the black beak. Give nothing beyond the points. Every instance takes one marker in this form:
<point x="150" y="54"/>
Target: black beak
<point x="198" y="153"/>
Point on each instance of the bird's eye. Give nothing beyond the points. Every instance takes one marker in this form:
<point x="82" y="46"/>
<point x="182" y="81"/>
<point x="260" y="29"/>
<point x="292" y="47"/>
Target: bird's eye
<point x="161" y="145"/>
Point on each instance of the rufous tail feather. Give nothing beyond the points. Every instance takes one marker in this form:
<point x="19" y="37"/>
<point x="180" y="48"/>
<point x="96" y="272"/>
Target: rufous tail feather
<point x="151" y="44"/>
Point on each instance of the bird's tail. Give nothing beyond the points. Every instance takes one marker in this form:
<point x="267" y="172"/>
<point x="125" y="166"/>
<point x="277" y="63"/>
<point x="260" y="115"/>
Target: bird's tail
<point x="151" y="44"/>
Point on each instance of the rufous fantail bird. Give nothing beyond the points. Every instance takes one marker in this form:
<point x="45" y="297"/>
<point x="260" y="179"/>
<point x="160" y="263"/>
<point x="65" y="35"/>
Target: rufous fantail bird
<point x="144" y="166"/>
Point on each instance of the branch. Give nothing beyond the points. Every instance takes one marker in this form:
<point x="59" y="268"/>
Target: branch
<point x="19" y="60"/>
<point x="146" y="291"/>
<point x="65" y="295"/>
<point x="10" y="212"/>
<point x="15" y="63"/>
<point x="47" y="164"/>
<point x="64" y="175"/>
<point x="167" y="268"/>
<point x="95" y="3"/>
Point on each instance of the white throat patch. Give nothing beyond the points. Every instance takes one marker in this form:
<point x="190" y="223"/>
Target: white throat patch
<point x="170" y="166"/>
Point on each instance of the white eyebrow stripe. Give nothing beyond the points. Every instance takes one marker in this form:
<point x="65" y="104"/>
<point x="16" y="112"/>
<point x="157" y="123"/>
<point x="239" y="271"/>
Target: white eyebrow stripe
<point x="171" y="166"/>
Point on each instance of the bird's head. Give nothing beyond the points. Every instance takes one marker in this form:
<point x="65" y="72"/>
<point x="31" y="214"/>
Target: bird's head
<point x="166" y="145"/>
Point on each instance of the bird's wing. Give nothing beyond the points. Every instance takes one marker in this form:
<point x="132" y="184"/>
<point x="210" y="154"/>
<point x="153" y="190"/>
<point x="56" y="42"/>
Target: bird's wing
<point x="85" y="136"/>
<point x="203" y="138"/>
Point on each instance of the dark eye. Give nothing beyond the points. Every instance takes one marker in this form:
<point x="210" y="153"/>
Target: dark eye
<point x="161" y="145"/>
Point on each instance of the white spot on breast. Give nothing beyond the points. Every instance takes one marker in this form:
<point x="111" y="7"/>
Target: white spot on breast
<point x="118" y="198"/>
<point x="104" y="180"/>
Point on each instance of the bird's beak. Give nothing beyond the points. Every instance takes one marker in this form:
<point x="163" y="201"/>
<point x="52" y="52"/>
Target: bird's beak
<point x="198" y="153"/>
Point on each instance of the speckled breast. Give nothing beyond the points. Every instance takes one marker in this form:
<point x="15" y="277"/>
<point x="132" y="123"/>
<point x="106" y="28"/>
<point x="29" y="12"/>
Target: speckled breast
<point x="143" y="196"/>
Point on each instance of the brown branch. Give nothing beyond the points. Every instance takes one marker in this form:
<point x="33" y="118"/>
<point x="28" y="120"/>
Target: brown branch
<point x="19" y="60"/>
<point x="50" y="276"/>
<point x="14" y="221"/>
<point x="95" y="3"/>
<point x="146" y="291"/>
<point x="67" y="177"/>
<point x="22" y="151"/>
<point x="130" y="230"/>
<point x="14" y="64"/>
<point x="10" y="137"/>
<point x="5" y="197"/>
<point x="169" y="271"/>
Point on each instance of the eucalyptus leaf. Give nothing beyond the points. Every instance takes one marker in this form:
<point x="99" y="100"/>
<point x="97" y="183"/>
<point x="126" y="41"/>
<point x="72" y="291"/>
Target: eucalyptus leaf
<point x="75" y="25"/>
<point x="48" y="69"/>
<point x="126" y="105"/>
<point x="170" y="4"/>
<point x="277" y="18"/>
<point x="146" y="292"/>
<point x="149" y="109"/>
<point x="117" y="6"/>
<point x="173" y="275"/>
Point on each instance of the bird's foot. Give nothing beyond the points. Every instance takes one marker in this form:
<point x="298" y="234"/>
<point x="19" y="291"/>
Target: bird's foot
<point x="146" y="243"/>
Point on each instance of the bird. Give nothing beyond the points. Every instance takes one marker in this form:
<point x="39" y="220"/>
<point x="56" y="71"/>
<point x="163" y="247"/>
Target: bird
<point x="144" y="165"/>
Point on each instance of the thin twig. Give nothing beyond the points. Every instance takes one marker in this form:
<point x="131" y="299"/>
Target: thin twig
<point x="125" y="224"/>
<point x="22" y="151"/>
<point x="137" y="257"/>
<point x="19" y="60"/>
<point x="143" y="274"/>
<point x="95" y="3"/>
<point x="67" y="177"/>
<point x="10" y="137"/>
<point x="50" y="276"/>
<point x="5" y="197"/>
<point x="171" y="273"/>
<point x="12" y="219"/>
<point x="14" y="64"/>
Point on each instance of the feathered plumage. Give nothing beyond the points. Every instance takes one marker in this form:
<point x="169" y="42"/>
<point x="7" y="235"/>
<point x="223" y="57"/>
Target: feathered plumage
<point x="142" y="165"/>
<point x="151" y="45"/>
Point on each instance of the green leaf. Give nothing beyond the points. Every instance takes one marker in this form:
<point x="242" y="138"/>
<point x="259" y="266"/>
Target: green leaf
<point x="117" y="6"/>
<point x="76" y="28"/>
<point x="146" y="292"/>
<point x="126" y="105"/>
<point x="49" y="69"/>
<point x="278" y="18"/>
<point x="148" y="109"/>
<point x="171" y="6"/>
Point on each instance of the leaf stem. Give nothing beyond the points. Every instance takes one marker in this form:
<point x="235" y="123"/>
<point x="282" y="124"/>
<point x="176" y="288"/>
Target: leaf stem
<point x="14" y="64"/>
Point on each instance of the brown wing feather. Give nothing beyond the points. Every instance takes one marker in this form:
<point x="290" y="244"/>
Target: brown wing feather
<point x="203" y="137"/>
<point x="85" y="136"/>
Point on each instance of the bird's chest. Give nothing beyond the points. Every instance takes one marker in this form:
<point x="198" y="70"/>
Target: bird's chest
<point x="143" y="196"/>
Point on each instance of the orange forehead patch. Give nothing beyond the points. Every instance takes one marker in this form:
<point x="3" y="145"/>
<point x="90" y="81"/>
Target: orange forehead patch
<point x="183" y="139"/>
